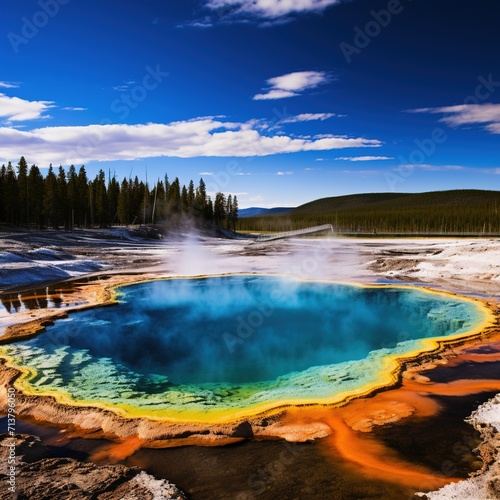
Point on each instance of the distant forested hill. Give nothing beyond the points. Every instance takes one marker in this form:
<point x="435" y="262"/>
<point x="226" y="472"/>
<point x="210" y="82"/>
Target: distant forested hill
<point x="456" y="211"/>
<point x="258" y="211"/>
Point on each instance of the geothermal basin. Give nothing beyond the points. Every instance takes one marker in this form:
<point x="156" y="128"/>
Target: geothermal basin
<point x="220" y="349"/>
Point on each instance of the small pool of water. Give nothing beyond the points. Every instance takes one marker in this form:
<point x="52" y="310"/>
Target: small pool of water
<point x="53" y="296"/>
<point x="207" y="345"/>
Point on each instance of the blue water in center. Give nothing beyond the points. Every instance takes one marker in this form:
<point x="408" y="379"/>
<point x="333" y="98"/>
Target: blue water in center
<point x="247" y="329"/>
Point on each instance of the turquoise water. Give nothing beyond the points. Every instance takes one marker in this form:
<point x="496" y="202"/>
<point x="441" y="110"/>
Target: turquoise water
<point x="234" y="341"/>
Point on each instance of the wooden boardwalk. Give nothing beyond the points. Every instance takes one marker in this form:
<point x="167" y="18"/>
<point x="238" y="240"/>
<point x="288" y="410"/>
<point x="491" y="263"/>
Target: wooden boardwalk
<point x="297" y="232"/>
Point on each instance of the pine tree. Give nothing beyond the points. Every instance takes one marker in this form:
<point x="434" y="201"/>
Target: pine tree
<point x="184" y="200"/>
<point x="62" y="198"/>
<point x="167" y="191"/>
<point x="190" y="197"/>
<point x="200" y="200"/>
<point x="10" y="196"/>
<point x="100" y="199"/>
<point x="22" y="189"/>
<point x="124" y="203"/>
<point x="72" y="195"/>
<point x="145" y="205"/>
<point x="160" y="211"/>
<point x="229" y="212"/>
<point x="135" y="199"/>
<point x="174" y="197"/>
<point x="234" y="213"/>
<point x="82" y="213"/>
<point x="3" y="175"/>
<point x="219" y="208"/>
<point x="35" y="196"/>
<point x="50" y="208"/>
<point x="113" y="196"/>
<point x="208" y="213"/>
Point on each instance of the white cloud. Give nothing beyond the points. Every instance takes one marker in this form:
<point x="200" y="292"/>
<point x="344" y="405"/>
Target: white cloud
<point x="493" y="128"/>
<point x="9" y="85"/>
<point x="307" y="117"/>
<point x="365" y="158"/>
<point x="199" y="137"/>
<point x="292" y="84"/>
<point x="206" y="173"/>
<point x="298" y="81"/>
<point x="16" y="109"/>
<point x="447" y="168"/>
<point x="362" y="172"/>
<point x="124" y="86"/>
<point x="288" y="172"/>
<point x="267" y="9"/>
<point x="274" y="94"/>
<point x="468" y="114"/>
<point x="70" y="108"/>
<point x="433" y="168"/>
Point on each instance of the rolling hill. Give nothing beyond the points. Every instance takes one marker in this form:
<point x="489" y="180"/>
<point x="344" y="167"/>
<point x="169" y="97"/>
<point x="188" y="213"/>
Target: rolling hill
<point x="258" y="211"/>
<point x="455" y="211"/>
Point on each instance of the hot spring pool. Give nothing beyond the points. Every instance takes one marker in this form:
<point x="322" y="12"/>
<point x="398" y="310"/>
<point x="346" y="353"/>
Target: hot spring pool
<point x="212" y="348"/>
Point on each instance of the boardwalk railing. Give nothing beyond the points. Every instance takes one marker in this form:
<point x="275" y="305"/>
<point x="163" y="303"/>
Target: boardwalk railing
<point x="297" y="232"/>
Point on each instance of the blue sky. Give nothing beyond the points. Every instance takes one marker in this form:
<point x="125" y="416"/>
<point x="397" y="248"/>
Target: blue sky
<point x="278" y="101"/>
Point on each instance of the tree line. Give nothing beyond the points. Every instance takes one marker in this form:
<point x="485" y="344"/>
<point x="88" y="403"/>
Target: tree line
<point x="458" y="212"/>
<point x="71" y="200"/>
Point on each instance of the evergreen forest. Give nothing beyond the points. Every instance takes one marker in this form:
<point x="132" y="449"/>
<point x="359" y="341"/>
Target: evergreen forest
<point x="69" y="199"/>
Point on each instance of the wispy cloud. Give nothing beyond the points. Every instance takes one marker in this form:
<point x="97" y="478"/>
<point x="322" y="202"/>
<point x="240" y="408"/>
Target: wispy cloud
<point x="274" y="94"/>
<point x="288" y="172"/>
<point x="291" y="84"/>
<point x="427" y="168"/>
<point x="307" y="117"/>
<point x="266" y="10"/>
<point x="468" y="114"/>
<point x="199" y="137"/>
<point x="9" y="85"/>
<point x="15" y="109"/>
<point x="124" y="86"/>
<point x="433" y="168"/>
<point x="493" y="171"/>
<point x="448" y="168"/>
<point x="69" y="108"/>
<point x="365" y="158"/>
<point x="363" y="172"/>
